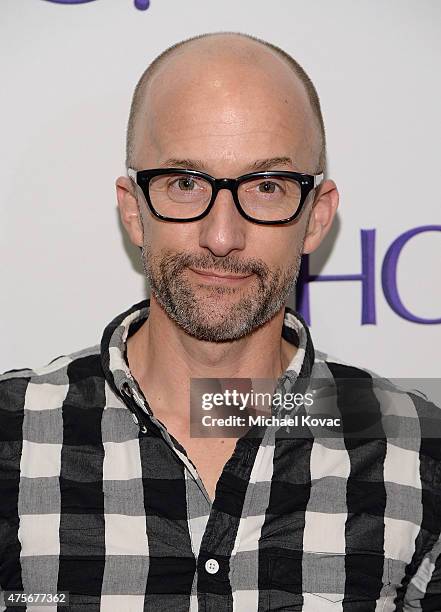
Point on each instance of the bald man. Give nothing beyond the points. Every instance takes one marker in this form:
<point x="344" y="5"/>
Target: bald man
<point x="129" y="481"/>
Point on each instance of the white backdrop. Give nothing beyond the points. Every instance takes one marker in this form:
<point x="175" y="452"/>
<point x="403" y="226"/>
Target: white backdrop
<point x="67" y="75"/>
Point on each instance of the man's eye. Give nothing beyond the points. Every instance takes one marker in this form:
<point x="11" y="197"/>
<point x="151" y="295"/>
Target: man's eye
<point x="186" y="184"/>
<point x="268" y="187"/>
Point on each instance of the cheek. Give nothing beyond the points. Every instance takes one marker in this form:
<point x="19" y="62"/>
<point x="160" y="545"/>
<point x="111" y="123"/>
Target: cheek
<point x="279" y="245"/>
<point x="165" y="236"/>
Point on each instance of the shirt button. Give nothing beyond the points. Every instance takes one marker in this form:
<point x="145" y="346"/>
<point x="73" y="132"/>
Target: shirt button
<point x="212" y="566"/>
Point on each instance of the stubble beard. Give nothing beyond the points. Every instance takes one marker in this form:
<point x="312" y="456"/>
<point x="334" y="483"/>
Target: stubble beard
<point x="206" y="312"/>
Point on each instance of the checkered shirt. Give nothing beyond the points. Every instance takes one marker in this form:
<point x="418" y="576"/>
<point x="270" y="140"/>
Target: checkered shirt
<point x="100" y="500"/>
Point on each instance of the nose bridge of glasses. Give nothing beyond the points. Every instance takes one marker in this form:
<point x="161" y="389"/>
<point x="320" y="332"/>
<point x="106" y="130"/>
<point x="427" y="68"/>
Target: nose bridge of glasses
<point x="228" y="184"/>
<point x="225" y="183"/>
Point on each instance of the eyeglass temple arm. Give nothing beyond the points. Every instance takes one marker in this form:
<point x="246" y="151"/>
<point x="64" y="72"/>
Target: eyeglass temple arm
<point x="318" y="178"/>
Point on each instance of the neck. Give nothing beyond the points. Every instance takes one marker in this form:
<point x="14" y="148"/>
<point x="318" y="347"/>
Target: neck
<point x="163" y="358"/>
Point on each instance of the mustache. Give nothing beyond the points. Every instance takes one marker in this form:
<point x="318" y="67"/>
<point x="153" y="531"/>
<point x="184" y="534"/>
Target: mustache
<point x="175" y="263"/>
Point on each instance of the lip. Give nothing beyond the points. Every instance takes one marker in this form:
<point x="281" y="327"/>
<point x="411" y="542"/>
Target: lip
<point x="219" y="278"/>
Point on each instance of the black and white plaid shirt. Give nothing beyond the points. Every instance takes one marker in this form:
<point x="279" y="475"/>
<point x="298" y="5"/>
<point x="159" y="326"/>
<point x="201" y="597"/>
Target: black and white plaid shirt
<point x="115" y="513"/>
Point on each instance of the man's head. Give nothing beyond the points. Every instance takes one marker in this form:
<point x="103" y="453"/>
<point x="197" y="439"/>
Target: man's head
<point x="222" y="103"/>
<point x="246" y="51"/>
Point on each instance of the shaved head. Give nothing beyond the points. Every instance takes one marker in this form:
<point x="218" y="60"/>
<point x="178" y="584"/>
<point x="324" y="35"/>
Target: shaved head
<point x="223" y="52"/>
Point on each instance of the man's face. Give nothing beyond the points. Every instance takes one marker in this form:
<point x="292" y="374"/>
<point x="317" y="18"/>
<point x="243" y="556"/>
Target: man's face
<point x="225" y="115"/>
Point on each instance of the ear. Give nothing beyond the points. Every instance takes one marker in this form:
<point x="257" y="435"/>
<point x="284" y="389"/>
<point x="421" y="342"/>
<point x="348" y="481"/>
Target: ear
<point x="129" y="209"/>
<point x="324" y="208"/>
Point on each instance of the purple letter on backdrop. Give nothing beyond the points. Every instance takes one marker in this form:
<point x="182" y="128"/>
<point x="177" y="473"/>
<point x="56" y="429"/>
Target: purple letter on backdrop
<point x="389" y="274"/>
<point x="142" y="5"/>
<point x="367" y="278"/>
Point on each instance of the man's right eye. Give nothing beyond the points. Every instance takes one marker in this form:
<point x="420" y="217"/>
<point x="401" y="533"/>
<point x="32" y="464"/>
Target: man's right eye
<point x="186" y="183"/>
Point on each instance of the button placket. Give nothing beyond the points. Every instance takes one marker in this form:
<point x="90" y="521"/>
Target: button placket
<point x="134" y="407"/>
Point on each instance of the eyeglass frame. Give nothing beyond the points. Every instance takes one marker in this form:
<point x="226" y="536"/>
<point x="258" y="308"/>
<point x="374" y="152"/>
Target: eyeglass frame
<point x="307" y="182"/>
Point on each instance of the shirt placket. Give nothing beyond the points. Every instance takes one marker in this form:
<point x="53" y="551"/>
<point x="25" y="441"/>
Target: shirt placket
<point x="213" y="565"/>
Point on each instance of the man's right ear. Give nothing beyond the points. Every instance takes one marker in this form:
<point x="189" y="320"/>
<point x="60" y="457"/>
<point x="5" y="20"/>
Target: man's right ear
<point x="129" y="209"/>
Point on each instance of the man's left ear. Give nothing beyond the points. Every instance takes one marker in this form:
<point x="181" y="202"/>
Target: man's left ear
<point x="322" y="215"/>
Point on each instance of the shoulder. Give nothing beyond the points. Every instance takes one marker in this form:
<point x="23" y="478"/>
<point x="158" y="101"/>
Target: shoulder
<point x="46" y="386"/>
<point x="327" y="365"/>
<point x="337" y="370"/>
<point x="406" y="411"/>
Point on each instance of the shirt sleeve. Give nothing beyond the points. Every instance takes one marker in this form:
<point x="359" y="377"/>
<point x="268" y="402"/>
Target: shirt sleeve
<point x="424" y="590"/>
<point x="13" y="385"/>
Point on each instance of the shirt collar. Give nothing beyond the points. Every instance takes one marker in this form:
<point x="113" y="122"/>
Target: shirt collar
<point x="117" y="372"/>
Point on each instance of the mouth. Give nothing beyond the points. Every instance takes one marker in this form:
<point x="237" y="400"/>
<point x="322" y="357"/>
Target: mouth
<point x="216" y="277"/>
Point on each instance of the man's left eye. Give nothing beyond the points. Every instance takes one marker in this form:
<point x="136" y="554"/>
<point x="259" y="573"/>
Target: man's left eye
<point x="268" y="187"/>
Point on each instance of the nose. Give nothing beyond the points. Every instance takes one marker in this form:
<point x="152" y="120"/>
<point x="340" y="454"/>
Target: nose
<point x="224" y="229"/>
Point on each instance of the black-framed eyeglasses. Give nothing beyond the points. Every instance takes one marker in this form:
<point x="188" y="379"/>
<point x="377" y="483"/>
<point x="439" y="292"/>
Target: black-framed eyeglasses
<point x="180" y="195"/>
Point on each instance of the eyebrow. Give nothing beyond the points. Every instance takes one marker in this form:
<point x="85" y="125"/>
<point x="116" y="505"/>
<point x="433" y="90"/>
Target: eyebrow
<point x="257" y="166"/>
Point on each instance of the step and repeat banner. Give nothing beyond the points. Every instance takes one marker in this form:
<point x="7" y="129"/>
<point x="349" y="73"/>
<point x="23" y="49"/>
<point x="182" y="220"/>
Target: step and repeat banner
<point x="371" y="293"/>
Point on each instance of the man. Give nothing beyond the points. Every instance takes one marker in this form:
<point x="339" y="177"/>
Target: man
<point x="106" y="494"/>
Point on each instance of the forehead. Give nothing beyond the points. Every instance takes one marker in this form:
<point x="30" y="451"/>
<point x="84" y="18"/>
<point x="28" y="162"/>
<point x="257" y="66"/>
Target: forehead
<point x="225" y="103"/>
